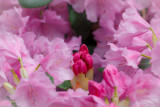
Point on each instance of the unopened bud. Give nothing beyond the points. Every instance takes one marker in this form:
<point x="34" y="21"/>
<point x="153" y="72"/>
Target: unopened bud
<point x="84" y="48"/>
<point x="9" y="87"/>
<point x="79" y="67"/>
<point x="111" y="76"/>
<point x="24" y="73"/>
<point x="76" y="56"/>
<point x="96" y="89"/>
<point x="89" y="61"/>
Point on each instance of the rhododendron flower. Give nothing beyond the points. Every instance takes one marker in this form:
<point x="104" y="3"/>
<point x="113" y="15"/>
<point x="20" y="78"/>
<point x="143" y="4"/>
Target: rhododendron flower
<point x="155" y="59"/>
<point x="141" y="91"/>
<point x="5" y="104"/>
<point x="79" y="53"/>
<point x="35" y="91"/>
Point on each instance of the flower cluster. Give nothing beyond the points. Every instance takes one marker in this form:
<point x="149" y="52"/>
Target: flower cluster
<point x="79" y="53"/>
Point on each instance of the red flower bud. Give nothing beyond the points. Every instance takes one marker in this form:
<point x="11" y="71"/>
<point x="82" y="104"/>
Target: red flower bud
<point x="89" y="61"/>
<point x="79" y="67"/>
<point x="76" y="56"/>
<point x="84" y="48"/>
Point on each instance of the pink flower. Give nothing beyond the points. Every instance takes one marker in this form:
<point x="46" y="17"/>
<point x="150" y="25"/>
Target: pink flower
<point x="7" y="22"/>
<point x="77" y="99"/>
<point x="48" y="25"/>
<point x="103" y="9"/>
<point x="155" y="68"/>
<point x="37" y="91"/>
<point x="5" y="103"/>
<point x="132" y="25"/>
<point x="96" y="89"/>
<point x="141" y="92"/>
<point x="12" y="47"/>
<point x="124" y="59"/>
<point x="8" y="4"/>
<point x="111" y="76"/>
<point x="58" y="60"/>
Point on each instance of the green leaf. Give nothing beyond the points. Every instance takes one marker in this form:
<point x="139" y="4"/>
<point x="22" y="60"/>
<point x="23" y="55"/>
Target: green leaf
<point x="101" y="69"/>
<point x="65" y="85"/>
<point x="34" y="3"/>
<point x="80" y="24"/>
<point x="145" y="63"/>
<point x="50" y="77"/>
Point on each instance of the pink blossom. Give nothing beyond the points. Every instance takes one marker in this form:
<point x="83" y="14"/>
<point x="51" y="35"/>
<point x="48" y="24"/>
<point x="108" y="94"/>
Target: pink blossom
<point x="155" y="59"/>
<point x="7" y="22"/>
<point x="8" y="4"/>
<point x="48" y="25"/>
<point x="37" y="91"/>
<point x="122" y="58"/>
<point x="131" y="26"/>
<point x="58" y="60"/>
<point x="103" y="9"/>
<point x="76" y="99"/>
<point x="141" y="92"/>
<point x="12" y="47"/>
<point x="5" y="104"/>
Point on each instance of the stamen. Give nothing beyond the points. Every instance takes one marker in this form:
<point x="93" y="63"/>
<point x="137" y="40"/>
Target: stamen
<point x="144" y="13"/>
<point x="149" y="46"/>
<point x="24" y="73"/>
<point x="20" y="62"/>
<point x="37" y="67"/>
<point x="155" y="37"/>
<point x="106" y="101"/>
<point x="146" y="56"/>
<point x="115" y="97"/>
<point x="15" y="77"/>
<point x="9" y="87"/>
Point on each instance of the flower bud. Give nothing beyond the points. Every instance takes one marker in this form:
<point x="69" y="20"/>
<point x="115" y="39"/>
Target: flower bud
<point x="9" y="87"/>
<point x="96" y="89"/>
<point x="76" y="56"/>
<point x="79" y="67"/>
<point x="89" y="61"/>
<point x="24" y="73"/>
<point x="84" y="48"/>
<point x="111" y="76"/>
